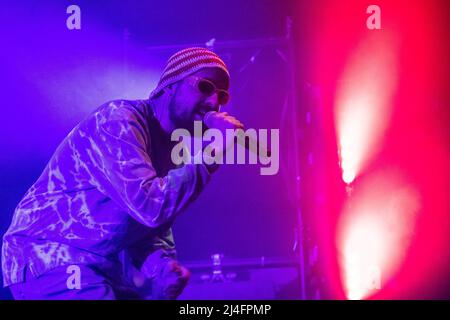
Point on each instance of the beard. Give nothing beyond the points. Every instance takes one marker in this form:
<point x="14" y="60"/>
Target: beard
<point x="180" y="117"/>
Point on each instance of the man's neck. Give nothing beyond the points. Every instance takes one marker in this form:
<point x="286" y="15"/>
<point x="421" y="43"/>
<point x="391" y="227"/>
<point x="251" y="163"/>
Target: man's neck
<point x="161" y="112"/>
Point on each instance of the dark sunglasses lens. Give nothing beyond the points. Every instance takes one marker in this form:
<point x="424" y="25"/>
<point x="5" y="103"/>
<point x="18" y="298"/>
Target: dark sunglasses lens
<point x="223" y="97"/>
<point x="206" y="87"/>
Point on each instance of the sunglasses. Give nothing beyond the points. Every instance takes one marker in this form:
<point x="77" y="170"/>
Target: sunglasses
<point x="208" y="88"/>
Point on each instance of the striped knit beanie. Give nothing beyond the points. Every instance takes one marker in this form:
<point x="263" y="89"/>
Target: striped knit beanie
<point x="186" y="62"/>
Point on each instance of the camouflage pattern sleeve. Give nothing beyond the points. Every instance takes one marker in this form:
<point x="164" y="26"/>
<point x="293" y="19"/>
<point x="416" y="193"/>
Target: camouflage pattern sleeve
<point x="129" y="177"/>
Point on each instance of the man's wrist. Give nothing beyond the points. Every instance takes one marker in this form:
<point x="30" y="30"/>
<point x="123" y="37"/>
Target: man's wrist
<point x="154" y="264"/>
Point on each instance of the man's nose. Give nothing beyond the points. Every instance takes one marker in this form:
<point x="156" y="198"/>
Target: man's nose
<point x="213" y="101"/>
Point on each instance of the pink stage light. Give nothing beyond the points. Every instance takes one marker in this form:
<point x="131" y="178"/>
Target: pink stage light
<point x="375" y="232"/>
<point x="384" y="100"/>
<point x="363" y="102"/>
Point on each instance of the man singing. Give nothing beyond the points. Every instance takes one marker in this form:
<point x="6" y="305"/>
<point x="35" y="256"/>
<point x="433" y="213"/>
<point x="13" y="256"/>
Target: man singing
<point x="111" y="188"/>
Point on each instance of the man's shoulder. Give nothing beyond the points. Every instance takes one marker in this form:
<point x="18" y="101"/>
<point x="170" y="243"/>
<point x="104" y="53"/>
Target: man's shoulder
<point x="124" y="105"/>
<point x="121" y="109"/>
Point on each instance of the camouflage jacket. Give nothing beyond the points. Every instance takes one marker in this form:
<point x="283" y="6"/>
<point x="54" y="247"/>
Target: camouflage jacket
<point x="109" y="187"/>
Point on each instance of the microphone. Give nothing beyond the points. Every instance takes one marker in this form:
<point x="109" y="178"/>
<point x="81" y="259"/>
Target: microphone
<point x="252" y="145"/>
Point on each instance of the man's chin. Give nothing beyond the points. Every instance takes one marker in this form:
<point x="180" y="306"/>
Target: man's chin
<point x="189" y="125"/>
